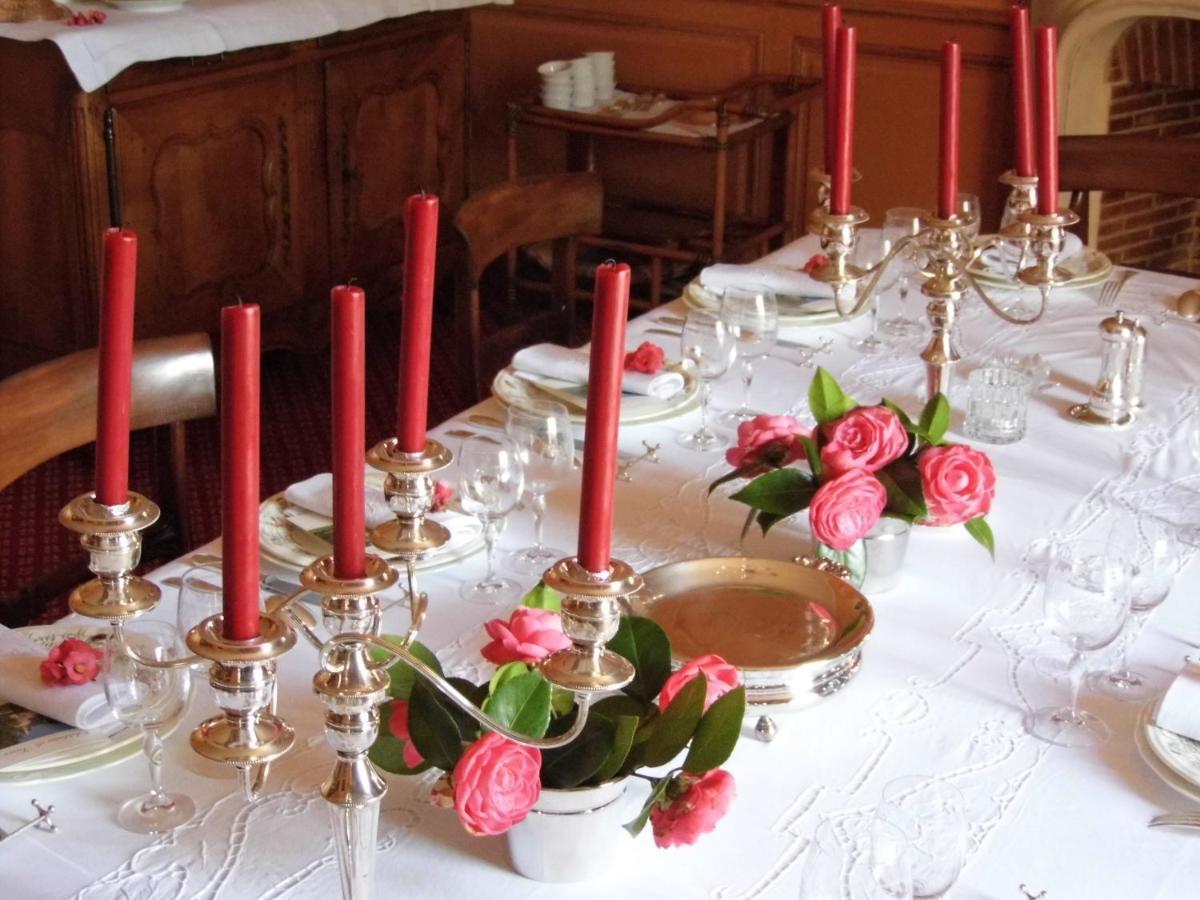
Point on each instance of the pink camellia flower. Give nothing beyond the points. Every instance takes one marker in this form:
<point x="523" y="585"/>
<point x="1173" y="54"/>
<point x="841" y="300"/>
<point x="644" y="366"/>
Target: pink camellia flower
<point x="694" y="811"/>
<point x="719" y="676"/>
<point x="496" y="783"/>
<point x="815" y="262"/>
<point x="846" y="508"/>
<point x="767" y="439"/>
<point x="442" y="493"/>
<point x="648" y="358"/>
<point x="959" y="483"/>
<point x="71" y="662"/>
<point x="529" y="636"/>
<point x="868" y="438"/>
<point x="398" y="723"/>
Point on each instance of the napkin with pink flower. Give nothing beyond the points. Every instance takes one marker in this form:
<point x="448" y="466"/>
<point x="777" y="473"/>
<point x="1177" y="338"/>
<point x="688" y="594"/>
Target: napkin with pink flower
<point x="642" y="376"/>
<point x="62" y="683"/>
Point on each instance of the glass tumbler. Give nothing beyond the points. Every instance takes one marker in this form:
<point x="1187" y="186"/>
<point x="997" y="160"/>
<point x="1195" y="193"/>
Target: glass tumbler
<point x="998" y="405"/>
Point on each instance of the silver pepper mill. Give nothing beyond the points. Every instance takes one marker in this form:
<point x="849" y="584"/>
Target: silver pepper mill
<point x="1111" y="400"/>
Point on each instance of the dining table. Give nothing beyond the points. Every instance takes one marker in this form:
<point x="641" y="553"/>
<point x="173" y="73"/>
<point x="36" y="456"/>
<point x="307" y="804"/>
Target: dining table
<point x="948" y="674"/>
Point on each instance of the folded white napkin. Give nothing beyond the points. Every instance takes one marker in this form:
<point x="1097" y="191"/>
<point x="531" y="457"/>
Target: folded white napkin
<point x="781" y="281"/>
<point x="79" y="705"/>
<point x="1180" y="708"/>
<point x="553" y="361"/>
<point x="316" y="494"/>
<point x="1002" y="259"/>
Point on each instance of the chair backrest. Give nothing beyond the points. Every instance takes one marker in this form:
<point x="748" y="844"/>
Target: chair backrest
<point x="51" y="408"/>
<point x="526" y="211"/>
<point x="1124" y="162"/>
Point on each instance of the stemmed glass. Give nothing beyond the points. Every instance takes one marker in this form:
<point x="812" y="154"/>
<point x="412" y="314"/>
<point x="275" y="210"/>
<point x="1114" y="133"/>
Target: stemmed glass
<point x="490" y="484"/>
<point x="871" y="248"/>
<point x="199" y="597"/>
<point x="542" y="432"/>
<point x="710" y="345"/>
<point x="150" y="698"/>
<point x="1086" y="598"/>
<point x="1154" y="557"/>
<point x="835" y="868"/>
<point x="752" y="314"/>
<point x="967" y="206"/>
<point x="898" y="223"/>
<point x="929" y="813"/>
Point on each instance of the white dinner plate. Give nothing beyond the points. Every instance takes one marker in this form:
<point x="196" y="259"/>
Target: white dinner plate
<point x="1172" y="757"/>
<point x="1088" y="267"/>
<point x="285" y="543"/>
<point x="147" y="6"/>
<point x="636" y="409"/>
<point x="793" y="311"/>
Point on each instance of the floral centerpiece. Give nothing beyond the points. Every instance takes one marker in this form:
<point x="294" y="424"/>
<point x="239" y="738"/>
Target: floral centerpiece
<point x="860" y="463"/>
<point x="493" y="783"/>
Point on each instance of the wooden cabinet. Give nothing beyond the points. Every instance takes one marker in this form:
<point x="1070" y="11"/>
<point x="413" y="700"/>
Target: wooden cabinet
<point x="269" y="174"/>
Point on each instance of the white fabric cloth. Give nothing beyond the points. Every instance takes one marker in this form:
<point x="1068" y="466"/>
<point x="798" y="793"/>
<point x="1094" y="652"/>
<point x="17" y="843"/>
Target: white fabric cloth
<point x="789" y="282"/>
<point x="564" y="364"/>
<point x="97" y="53"/>
<point x="947" y="674"/>
<point x="79" y="705"/>
<point x="1180" y="708"/>
<point x="316" y="495"/>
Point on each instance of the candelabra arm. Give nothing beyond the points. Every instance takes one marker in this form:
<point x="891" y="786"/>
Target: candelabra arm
<point x="298" y="619"/>
<point x="875" y="273"/>
<point x="418" y="605"/>
<point x="401" y="652"/>
<point x="149" y="662"/>
<point x="1007" y="317"/>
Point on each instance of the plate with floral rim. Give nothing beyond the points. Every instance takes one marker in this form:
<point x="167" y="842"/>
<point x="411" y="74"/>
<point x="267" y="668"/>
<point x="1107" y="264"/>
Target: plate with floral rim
<point x="1172" y="757"/>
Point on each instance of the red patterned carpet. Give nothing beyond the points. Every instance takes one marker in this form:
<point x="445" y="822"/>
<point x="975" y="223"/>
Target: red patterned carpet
<point x="295" y="445"/>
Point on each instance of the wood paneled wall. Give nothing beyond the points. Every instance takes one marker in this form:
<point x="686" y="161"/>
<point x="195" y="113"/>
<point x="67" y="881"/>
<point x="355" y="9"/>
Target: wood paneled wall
<point x="706" y="44"/>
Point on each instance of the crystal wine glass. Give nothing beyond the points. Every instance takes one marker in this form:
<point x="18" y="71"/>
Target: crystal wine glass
<point x="490" y="484"/>
<point x="898" y="223"/>
<point x="542" y="432"/>
<point x="929" y="813"/>
<point x="967" y="206"/>
<point x="871" y="248"/>
<point x="1086" y="598"/>
<point x="839" y="865"/>
<point x="200" y="591"/>
<point x="709" y="344"/>
<point x="752" y="314"/>
<point x="149" y="697"/>
<point x="1155" y="556"/>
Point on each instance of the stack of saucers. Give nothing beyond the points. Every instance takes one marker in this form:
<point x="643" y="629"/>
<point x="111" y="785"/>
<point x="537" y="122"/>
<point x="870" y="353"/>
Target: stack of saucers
<point x="556" y="84"/>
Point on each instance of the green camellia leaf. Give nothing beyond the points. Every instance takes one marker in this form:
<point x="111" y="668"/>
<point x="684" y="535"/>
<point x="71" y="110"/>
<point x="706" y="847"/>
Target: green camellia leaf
<point x="657" y="793"/>
<point x="826" y="398"/>
<point x="677" y="723"/>
<point x="543" y="597"/>
<point x="767" y="520"/>
<point x="402" y="674"/>
<point x="506" y="672"/>
<point x="644" y="644"/>
<point x="935" y="419"/>
<point x="625" y="727"/>
<point x="434" y="731"/>
<point x="782" y="492"/>
<point x="740" y="472"/>
<point x="979" y="529"/>
<point x="388" y="754"/>
<point x="570" y="766"/>
<point x="902" y="481"/>
<point x="717" y="734"/>
<point x="523" y="704"/>
<point x="813" y="454"/>
<point x="562" y="701"/>
<point x="908" y="423"/>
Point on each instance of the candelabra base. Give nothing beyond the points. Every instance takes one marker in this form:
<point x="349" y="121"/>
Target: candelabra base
<point x="1083" y="412"/>
<point x="354" y="836"/>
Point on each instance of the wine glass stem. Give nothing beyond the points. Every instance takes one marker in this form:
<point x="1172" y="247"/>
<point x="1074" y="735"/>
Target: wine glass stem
<point x="153" y="748"/>
<point x="874" y="319"/>
<point x="705" y="396"/>
<point x="1123" y="662"/>
<point x="1075" y="671"/>
<point x="491" y="530"/>
<point x="747" y="380"/>
<point x="537" y="500"/>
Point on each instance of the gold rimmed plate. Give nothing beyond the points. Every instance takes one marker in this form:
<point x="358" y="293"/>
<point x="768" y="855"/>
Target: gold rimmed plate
<point x="794" y="632"/>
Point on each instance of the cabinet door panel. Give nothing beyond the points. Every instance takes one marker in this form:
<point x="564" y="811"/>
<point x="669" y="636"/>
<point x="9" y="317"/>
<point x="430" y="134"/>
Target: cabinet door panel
<point x="395" y="127"/>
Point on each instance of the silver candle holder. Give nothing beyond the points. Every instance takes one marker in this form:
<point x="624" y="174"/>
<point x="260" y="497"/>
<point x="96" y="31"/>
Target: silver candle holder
<point x="112" y="536"/>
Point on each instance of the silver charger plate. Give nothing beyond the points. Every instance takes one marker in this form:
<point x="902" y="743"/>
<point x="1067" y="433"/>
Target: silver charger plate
<point x="1086" y="268"/>
<point x="794" y="311"/>
<point x="758" y="615"/>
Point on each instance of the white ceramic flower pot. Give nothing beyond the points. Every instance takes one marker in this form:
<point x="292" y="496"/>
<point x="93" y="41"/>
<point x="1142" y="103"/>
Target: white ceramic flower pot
<point x="572" y="835"/>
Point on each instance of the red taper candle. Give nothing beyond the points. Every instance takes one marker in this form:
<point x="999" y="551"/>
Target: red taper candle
<point x="349" y="431"/>
<point x="1022" y="61"/>
<point x="948" y="143"/>
<point x="843" y="160"/>
<point x="1046" y="49"/>
<point x="420" y="256"/>
<point x="831" y="20"/>
<point x="605" y="372"/>
<point x="239" y="470"/>
<point x="116" y="367"/>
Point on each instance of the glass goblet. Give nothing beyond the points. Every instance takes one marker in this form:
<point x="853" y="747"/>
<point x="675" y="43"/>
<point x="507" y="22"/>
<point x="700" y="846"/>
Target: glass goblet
<point x="710" y="346"/>
<point x="542" y="432"/>
<point x="1086" y="598"/>
<point x="149" y="697"/>
<point x="898" y="223"/>
<point x="1155" y="556"/>
<point x="870" y="249"/>
<point x="491" y="480"/>
<point x="752" y="314"/>
<point x="929" y="813"/>
<point x="967" y="206"/>
<point x="200" y="591"/>
<point x="837" y="866"/>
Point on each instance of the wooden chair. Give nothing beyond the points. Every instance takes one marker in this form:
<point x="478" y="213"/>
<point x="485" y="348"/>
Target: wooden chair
<point x="1127" y="162"/>
<point x="498" y="220"/>
<point x="51" y="408"/>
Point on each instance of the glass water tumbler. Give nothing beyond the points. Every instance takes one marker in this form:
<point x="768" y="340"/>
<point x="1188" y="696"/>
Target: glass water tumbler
<point x="998" y="404"/>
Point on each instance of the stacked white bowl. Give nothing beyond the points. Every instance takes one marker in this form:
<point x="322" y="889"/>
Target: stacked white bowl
<point x="556" y="84"/>
<point x="604" y="73"/>
<point x="583" y="83"/>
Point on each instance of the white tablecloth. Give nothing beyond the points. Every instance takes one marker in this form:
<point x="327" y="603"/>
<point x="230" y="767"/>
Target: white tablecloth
<point x="947" y="676"/>
<point x="97" y="53"/>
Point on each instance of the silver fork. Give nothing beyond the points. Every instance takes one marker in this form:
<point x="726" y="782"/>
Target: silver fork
<point x="1112" y="288"/>
<point x="1177" y="820"/>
